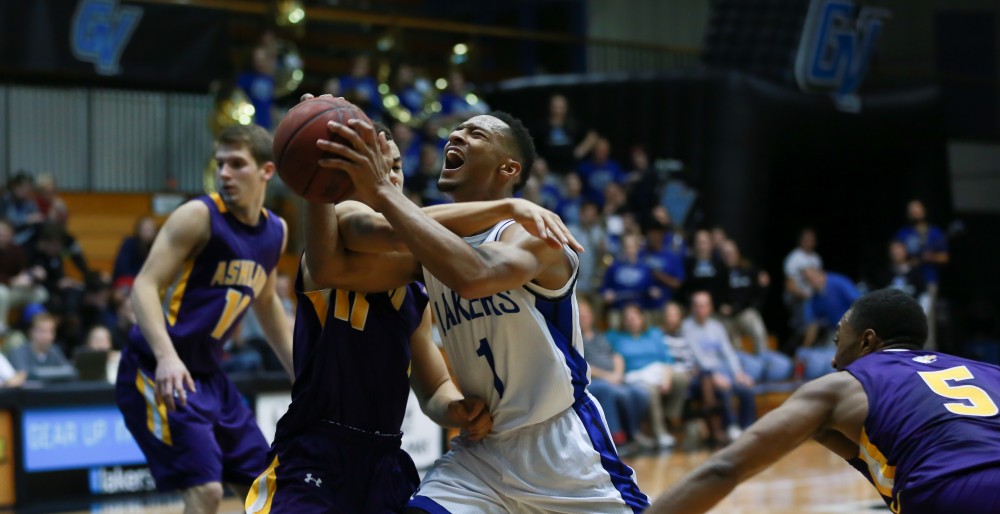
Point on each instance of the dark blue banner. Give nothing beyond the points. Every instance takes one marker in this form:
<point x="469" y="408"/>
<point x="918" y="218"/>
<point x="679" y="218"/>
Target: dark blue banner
<point x="113" y="40"/>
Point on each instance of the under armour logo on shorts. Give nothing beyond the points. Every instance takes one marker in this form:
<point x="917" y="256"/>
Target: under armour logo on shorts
<point x="317" y="481"/>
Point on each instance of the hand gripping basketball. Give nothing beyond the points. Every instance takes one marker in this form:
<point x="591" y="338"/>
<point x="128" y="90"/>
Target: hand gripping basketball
<point x="363" y="155"/>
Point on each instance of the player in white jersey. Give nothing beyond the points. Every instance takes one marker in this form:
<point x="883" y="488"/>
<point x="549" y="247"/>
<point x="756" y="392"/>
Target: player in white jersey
<point x="505" y="305"/>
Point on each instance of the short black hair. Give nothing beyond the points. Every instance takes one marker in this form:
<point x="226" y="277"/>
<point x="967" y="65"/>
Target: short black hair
<point x="382" y="127"/>
<point x="524" y="146"/>
<point x="895" y="316"/>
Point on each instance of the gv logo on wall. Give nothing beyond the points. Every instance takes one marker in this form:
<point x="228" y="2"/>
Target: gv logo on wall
<point x="836" y="47"/>
<point x="101" y="30"/>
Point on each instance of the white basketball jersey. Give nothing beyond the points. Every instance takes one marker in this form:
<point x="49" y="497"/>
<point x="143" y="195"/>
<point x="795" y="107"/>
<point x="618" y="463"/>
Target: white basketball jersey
<point x="521" y="350"/>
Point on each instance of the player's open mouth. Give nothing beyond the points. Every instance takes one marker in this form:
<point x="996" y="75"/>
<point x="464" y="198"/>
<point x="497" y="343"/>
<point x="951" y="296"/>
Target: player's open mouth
<point x="453" y="159"/>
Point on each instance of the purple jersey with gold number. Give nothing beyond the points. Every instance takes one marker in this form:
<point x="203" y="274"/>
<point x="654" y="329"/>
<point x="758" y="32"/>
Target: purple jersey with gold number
<point x="216" y="286"/>
<point x="931" y="417"/>
<point x="352" y="357"/>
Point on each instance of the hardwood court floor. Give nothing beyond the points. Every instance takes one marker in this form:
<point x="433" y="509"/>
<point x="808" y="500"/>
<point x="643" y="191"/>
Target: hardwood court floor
<point x="810" y="480"/>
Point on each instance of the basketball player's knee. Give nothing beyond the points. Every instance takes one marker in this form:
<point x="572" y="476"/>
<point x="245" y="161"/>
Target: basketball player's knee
<point x="207" y="496"/>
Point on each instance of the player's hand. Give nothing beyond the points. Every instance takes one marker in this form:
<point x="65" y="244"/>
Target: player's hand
<point x="543" y="224"/>
<point x="472" y="416"/>
<point x="173" y="382"/>
<point x="366" y="158"/>
<point x="309" y="96"/>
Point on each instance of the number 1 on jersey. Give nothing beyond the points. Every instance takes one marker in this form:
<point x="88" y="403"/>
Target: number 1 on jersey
<point x="236" y="303"/>
<point x="485" y="351"/>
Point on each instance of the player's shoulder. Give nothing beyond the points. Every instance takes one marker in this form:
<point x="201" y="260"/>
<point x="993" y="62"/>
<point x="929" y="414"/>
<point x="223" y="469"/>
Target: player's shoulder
<point x="190" y="214"/>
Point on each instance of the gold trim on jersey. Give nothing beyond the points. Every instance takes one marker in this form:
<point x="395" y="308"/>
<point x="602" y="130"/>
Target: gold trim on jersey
<point x="178" y="294"/>
<point x="156" y="410"/>
<point x="397" y="296"/>
<point x="883" y="475"/>
<point x="320" y="301"/>
<point x="262" y="491"/>
<point x="219" y="202"/>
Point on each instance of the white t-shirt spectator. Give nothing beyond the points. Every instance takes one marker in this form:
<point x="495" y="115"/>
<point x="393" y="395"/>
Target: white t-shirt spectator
<point x="799" y="260"/>
<point x="711" y="346"/>
<point x="7" y="371"/>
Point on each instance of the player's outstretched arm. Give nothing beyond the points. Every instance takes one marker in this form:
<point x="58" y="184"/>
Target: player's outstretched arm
<point x="816" y="407"/>
<point x="370" y="232"/>
<point x="273" y="320"/>
<point x="181" y="238"/>
<point x="439" y="398"/>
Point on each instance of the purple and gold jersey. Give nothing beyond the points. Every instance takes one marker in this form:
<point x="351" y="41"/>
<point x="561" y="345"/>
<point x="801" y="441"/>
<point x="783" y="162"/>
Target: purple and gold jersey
<point x="216" y="286"/>
<point x="352" y="357"/>
<point x="931" y="416"/>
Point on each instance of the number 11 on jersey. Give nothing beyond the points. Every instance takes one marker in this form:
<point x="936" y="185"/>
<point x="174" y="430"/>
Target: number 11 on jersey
<point x="485" y="351"/>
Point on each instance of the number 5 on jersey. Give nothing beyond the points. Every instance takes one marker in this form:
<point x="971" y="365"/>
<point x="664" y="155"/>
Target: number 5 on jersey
<point x="978" y="401"/>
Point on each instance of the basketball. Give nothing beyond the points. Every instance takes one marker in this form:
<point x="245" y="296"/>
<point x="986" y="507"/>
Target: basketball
<point x="296" y="154"/>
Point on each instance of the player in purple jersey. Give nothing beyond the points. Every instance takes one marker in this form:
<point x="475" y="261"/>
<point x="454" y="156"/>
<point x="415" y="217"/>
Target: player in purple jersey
<point x="220" y="252"/>
<point x="923" y="427"/>
<point x="337" y="449"/>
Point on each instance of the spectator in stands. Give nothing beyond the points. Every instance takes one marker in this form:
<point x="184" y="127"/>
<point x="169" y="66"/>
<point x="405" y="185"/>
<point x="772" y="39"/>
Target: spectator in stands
<point x="719" y="238"/>
<point x="572" y="200"/>
<point x="926" y="245"/>
<point x="627" y="280"/>
<point x="560" y="139"/>
<point x="98" y="340"/>
<point x="667" y="267"/>
<point x="65" y="293"/>
<point x="549" y="190"/>
<point x="744" y="296"/>
<point x="599" y="171"/>
<point x="617" y="216"/>
<point x="18" y="287"/>
<point x="643" y="185"/>
<point x="684" y="363"/>
<point x="797" y="289"/>
<point x="10" y="377"/>
<point x="409" y="145"/>
<point x="625" y="405"/>
<point x="98" y="306"/>
<point x="455" y="104"/>
<point x="718" y="362"/>
<point x="589" y="231"/>
<point x="20" y="209"/>
<point x="411" y="96"/>
<point x="361" y="88"/>
<point x="927" y="248"/>
<point x="41" y="358"/>
<point x="673" y="239"/>
<point x="900" y="273"/>
<point x="258" y="84"/>
<point x="833" y="295"/>
<point x="133" y="252"/>
<point x="647" y="364"/>
<point x="703" y="271"/>
<point x="50" y="204"/>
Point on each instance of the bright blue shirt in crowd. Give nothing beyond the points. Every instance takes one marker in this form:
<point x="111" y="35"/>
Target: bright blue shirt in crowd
<point x="916" y="245"/>
<point x="664" y="261"/>
<point x="833" y="302"/>
<point x="640" y="351"/>
<point x="630" y="282"/>
<point x="596" y="177"/>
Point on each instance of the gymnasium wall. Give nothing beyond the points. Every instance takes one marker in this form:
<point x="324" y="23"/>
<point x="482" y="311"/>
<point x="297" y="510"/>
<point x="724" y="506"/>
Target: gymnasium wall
<point x="104" y="139"/>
